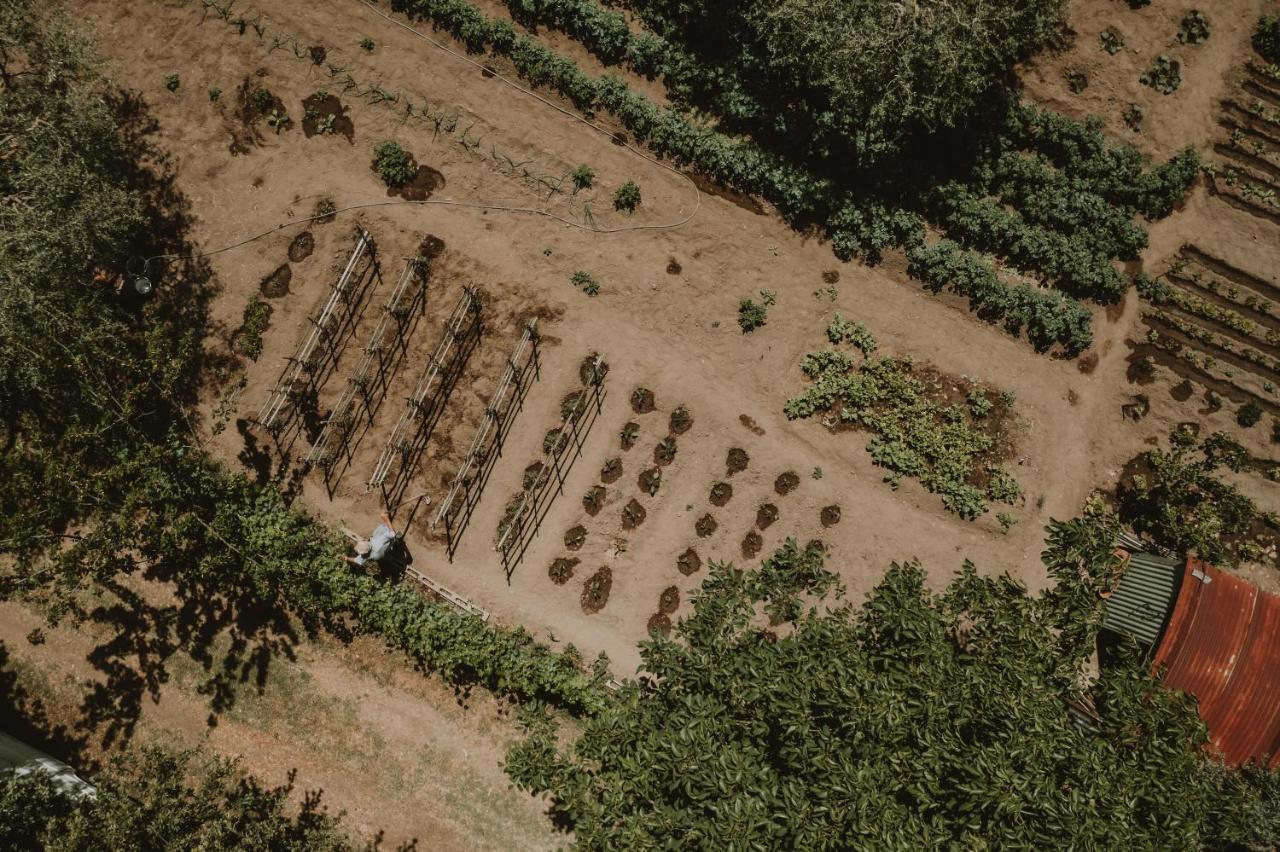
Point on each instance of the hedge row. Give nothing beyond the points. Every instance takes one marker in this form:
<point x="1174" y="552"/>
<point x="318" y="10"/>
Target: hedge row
<point x="978" y="223"/>
<point x="1048" y="318"/>
<point x="461" y="647"/>
<point x="1048" y="197"/>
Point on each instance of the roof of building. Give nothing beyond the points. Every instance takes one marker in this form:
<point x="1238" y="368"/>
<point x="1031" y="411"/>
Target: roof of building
<point x="1222" y="645"/>
<point x="1144" y="597"/>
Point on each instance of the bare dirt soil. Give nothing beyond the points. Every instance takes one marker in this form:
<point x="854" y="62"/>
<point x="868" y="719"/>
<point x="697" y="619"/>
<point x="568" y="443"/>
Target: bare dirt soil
<point x="664" y="319"/>
<point x="399" y="753"/>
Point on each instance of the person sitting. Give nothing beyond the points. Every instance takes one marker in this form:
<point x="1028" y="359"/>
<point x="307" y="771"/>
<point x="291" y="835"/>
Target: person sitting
<point x="376" y="546"/>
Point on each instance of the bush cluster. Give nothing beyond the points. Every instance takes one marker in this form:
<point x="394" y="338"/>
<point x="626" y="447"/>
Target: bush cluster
<point x="915" y="431"/>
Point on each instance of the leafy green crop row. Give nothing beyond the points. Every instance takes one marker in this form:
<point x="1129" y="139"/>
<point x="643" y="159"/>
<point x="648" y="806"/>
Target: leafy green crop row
<point x="1158" y="292"/>
<point x="981" y="224"/>
<point x="1049" y="318"/>
<point x="917" y="432"/>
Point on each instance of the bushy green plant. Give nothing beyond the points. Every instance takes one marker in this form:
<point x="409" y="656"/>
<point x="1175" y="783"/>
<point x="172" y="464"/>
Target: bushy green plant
<point x="1194" y="28"/>
<point x="215" y="93"/>
<point x="172" y="82"/>
<point x="149" y="797"/>
<point x="1266" y="38"/>
<point x="751" y="315"/>
<point x="915" y="432"/>
<point x="1112" y="40"/>
<point x="393" y="163"/>
<point x="366" y="44"/>
<point x="841" y="330"/>
<point x="627" y="197"/>
<point x="1249" y="414"/>
<point x="583" y="177"/>
<point x="262" y="98"/>
<point x="1184" y="504"/>
<point x="585" y="282"/>
<point x="257" y="316"/>
<point x="1165" y="76"/>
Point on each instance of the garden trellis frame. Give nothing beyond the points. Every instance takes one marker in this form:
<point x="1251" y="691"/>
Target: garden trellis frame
<point x="305" y="371"/>
<point x="486" y="446"/>
<point x="425" y="405"/>
<point x="368" y="385"/>
<point x="538" y="495"/>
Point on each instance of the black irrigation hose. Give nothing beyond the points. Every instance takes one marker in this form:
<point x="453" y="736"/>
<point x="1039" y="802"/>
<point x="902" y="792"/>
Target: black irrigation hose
<point x="146" y="262"/>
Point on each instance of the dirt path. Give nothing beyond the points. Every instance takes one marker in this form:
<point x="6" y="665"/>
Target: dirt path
<point x="398" y="752"/>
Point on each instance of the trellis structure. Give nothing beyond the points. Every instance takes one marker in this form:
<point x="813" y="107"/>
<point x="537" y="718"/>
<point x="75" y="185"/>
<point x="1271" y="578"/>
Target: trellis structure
<point x="538" y="495"/>
<point x="368" y="385"/>
<point x="425" y="405"/>
<point x="307" y="368"/>
<point x="468" y="484"/>
<point x="436" y="589"/>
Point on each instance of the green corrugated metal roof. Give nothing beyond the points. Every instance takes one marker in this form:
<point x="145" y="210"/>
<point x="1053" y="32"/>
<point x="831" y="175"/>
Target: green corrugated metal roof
<point x="1142" y="602"/>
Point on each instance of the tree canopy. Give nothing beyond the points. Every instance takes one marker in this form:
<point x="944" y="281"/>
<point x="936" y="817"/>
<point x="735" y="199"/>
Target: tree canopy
<point x="161" y="800"/>
<point x="917" y="720"/>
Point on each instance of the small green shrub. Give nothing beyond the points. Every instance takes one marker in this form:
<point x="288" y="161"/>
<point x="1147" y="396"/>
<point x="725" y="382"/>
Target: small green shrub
<point x="1249" y="414"/>
<point x="627" y="197"/>
<point x="392" y="163"/>
<point x="1165" y="76"/>
<point x="1077" y="80"/>
<point x="583" y="177"/>
<point x="1133" y="117"/>
<point x="1266" y="38"/>
<point x="257" y="316"/>
<point x="278" y="120"/>
<point x="262" y="98"/>
<point x="585" y="282"/>
<point x="214" y="93"/>
<point x="1194" y="28"/>
<point x="751" y="315"/>
<point x="1112" y="40"/>
<point x="171" y="82"/>
<point x="366" y="44"/>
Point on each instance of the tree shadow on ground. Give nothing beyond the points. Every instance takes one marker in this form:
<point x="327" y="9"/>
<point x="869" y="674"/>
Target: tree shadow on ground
<point x="25" y="717"/>
<point x="224" y="622"/>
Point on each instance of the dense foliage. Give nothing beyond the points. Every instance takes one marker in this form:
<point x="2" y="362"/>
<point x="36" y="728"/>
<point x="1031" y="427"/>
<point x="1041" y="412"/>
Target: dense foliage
<point x="392" y="163"/>
<point x="916" y="430"/>
<point x="159" y="800"/>
<point x="1078" y="202"/>
<point x="1266" y="38"/>
<point x="918" y="720"/>
<point x="101" y="480"/>
<point x="1179" y="498"/>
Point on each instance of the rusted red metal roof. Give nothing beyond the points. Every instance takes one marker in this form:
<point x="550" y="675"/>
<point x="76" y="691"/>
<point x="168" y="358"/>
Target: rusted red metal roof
<point x="1222" y="645"/>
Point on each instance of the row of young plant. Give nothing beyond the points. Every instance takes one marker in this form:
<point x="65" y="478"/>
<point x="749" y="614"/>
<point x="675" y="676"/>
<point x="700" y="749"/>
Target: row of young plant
<point x="1115" y="172"/>
<point x="916" y="431"/>
<point x="1202" y="362"/>
<point x="1048" y="318"/>
<point x="854" y="226"/>
<point x="1217" y="341"/>
<point x="1158" y="292"/>
<point x="1226" y="290"/>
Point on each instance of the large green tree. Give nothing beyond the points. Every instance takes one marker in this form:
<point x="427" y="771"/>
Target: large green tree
<point x="876" y="73"/>
<point x="917" y="720"/>
<point x="160" y="800"/>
